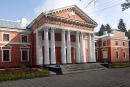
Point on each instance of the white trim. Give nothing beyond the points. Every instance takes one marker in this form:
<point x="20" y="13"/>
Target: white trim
<point x="14" y="30"/>
<point x="47" y="26"/>
<point x="27" y="54"/>
<point x="10" y="42"/>
<point x="21" y="38"/>
<point x="111" y="46"/>
<point x="5" y="33"/>
<point x="9" y="55"/>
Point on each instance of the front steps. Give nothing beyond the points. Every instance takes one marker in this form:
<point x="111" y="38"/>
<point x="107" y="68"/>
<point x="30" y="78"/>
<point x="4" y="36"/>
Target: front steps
<point x="71" y="68"/>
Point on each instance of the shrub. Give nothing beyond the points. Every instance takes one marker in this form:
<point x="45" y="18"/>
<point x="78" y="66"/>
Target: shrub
<point x="22" y="74"/>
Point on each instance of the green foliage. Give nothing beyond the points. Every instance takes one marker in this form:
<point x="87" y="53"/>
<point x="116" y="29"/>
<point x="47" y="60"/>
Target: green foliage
<point x="125" y="5"/>
<point x="122" y="27"/>
<point x="119" y="65"/>
<point x="25" y="68"/>
<point x="22" y="74"/>
<point x="102" y="29"/>
<point x="129" y="34"/>
<point x="108" y="28"/>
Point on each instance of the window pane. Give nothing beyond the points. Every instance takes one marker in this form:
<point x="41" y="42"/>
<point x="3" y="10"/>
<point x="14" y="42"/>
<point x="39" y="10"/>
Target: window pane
<point x="24" y="38"/>
<point x="24" y="55"/>
<point x="116" y="54"/>
<point x="124" y="54"/>
<point x="123" y="43"/>
<point x="5" y="55"/>
<point x="5" y="37"/>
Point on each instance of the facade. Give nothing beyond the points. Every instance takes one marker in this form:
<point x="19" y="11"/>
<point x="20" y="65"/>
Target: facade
<point x="60" y="36"/>
<point x="112" y="47"/>
<point x="15" y="44"/>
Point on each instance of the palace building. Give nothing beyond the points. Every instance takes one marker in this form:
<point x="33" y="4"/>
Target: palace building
<point x="60" y="36"/>
<point x="112" y="47"/>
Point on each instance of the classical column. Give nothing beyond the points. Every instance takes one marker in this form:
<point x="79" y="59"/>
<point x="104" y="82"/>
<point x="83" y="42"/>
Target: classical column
<point x="81" y="48"/>
<point x="52" y="42"/>
<point x="90" y="48"/>
<point x="63" y="47"/>
<point x="46" y="47"/>
<point x="68" y="48"/>
<point x="39" y="53"/>
<point x="93" y="49"/>
<point x="77" y="48"/>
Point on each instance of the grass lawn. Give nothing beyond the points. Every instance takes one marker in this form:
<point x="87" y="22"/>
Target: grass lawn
<point x="119" y="65"/>
<point x="22" y="73"/>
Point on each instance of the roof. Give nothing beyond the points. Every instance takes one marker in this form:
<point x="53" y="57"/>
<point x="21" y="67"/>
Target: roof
<point x="11" y="24"/>
<point x="74" y="7"/>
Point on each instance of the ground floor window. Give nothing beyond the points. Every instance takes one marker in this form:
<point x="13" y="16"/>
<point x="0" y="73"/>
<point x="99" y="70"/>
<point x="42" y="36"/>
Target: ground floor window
<point x="124" y="55"/>
<point x="6" y="55"/>
<point x="24" y="54"/>
<point x="117" y="55"/>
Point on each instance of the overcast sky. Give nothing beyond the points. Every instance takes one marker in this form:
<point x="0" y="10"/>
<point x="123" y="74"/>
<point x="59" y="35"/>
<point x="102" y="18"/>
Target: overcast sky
<point x="103" y="11"/>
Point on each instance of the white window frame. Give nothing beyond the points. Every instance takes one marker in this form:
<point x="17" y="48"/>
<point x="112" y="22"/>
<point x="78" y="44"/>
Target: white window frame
<point x="3" y="36"/>
<point x="21" y="38"/>
<point x="9" y="55"/>
<point x="27" y="55"/>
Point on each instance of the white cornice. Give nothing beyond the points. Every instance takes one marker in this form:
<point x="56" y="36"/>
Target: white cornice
<point x="15" y="30"/>
<point x="52" y="26"/>
<point x="16" y="43"/>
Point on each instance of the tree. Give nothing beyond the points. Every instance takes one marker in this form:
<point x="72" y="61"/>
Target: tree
<point x="108" y="28"/>
<point x="129" y="34"/>
<point x="102" y="29"/>
<point x="122" y="27"/>
<point x="125" y="5"/>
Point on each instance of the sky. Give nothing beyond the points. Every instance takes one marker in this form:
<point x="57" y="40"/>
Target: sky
<point x="102" y="11"/>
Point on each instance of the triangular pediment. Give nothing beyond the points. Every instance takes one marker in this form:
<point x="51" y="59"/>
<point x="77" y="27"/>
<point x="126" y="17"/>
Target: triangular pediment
<point x="71" y="12"/>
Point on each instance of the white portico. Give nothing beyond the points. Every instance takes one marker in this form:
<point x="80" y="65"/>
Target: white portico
<point x="81" y="37"/>
<point x="63" y="36"/>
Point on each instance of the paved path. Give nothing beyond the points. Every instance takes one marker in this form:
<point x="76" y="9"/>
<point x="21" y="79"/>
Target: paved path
<point x="93" y="78"/>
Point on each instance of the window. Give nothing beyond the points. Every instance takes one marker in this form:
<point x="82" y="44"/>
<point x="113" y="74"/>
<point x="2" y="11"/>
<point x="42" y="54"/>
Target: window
<point x="24" y="55"/>
<point x="5" y="37"/>
<point x="117" y="54"/>
<point x="96" y="44"/>
<point x="123" y="43"/>
<point x="6" y="55"/>
<point x="24" y="38"/>
<point x="116" y="43"/>
<point x="124" y="55"/>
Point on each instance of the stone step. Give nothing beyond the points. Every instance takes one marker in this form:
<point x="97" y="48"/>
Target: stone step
<point x="79" y="67"/>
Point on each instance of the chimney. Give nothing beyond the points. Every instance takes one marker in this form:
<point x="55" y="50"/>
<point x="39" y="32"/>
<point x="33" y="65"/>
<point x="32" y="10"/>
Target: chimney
<point x="24" y="22"/>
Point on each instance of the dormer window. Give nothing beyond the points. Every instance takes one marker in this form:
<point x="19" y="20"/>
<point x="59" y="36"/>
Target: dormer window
<point x="24" y="38"/>
<point x="5" y="36"/>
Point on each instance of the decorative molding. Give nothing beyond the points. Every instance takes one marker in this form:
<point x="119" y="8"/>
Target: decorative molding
<point x="14" y="43"/>
<point x="15" y="30"/>
<point x="52" y="26"/>
<point x="9" y="55"/>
